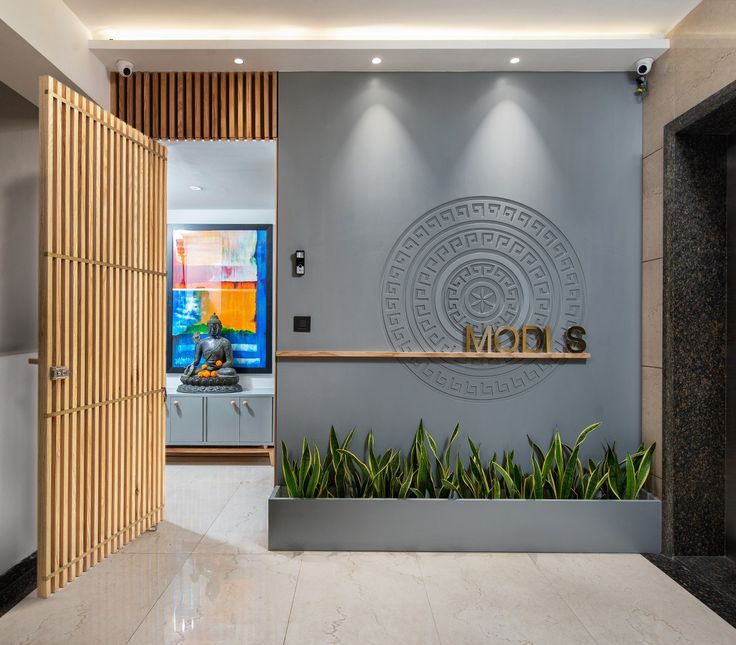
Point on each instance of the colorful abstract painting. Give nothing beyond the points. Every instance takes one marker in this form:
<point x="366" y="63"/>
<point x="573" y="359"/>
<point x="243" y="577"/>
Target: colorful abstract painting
<point x="223" y="270"/>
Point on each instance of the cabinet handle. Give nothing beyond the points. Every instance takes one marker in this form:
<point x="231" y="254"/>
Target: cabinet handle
<point x="245" y="403"/>
<point x="233" y="403"/>
<point x="176" y="403"/>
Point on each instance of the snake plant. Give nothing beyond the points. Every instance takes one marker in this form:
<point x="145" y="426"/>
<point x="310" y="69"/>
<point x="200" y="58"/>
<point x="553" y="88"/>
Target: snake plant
<point x="427" y="471"/>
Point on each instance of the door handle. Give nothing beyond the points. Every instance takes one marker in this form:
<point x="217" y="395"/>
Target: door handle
<point x="58" y="372"/>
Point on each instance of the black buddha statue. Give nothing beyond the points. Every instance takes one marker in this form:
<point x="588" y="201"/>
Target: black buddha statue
<point x="215" y="372"/>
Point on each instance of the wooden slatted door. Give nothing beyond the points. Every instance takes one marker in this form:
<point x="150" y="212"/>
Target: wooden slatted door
<point x="102" y="297"/>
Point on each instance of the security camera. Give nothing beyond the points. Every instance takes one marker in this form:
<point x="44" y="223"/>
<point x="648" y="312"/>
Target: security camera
<point x="124" y="67"/>
<point x="643" y="66"/>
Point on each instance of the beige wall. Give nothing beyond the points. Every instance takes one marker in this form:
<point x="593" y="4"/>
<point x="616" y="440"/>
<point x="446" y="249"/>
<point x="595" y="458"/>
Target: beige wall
<point x="701" y="60"/>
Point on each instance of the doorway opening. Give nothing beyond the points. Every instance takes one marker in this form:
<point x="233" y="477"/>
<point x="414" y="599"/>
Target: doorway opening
<point x="221" y="214"/>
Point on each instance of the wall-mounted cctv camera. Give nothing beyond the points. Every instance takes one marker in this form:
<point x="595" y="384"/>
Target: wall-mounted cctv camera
<point x="643" y="66"/>
<point x="124" y="68"/>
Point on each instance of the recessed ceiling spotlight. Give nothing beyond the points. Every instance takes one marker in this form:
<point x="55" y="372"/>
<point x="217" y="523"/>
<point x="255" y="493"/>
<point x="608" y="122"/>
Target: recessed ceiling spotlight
<point x="376" y="60"/>
<point x="195" y="187"/>
<point x="238" y="61"/>
<point x="515" y="60"/>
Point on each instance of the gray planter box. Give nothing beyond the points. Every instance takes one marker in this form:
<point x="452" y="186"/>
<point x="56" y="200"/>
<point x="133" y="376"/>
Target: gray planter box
<point x="598" y="526"/>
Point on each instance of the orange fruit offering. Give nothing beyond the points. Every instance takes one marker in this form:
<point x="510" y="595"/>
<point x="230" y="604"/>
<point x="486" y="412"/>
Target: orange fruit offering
<point x="218" y="363"/>
<point x="202" y="366"/>
<point x="213" y="374"/>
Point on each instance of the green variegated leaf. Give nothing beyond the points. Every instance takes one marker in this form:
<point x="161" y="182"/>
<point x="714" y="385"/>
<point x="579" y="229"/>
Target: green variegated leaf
<point x="288" y="471"/>
<point x="306" y="462"/>
<point x="630" y="491"/>
<point x="585" y="432"/>
<point x="538" y="479"/>
<point x="568" y="476"/>
<point x="316" y="472"/>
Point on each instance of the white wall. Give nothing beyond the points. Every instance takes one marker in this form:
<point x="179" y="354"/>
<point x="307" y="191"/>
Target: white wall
<point x="230" y="216"/>
<point x="18" y="458"/>
<point x="18" y="325"/>
<point x="46" y="37"/>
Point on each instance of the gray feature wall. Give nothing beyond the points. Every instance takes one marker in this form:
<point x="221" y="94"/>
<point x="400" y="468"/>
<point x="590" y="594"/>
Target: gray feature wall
<point x="552" y="164"/>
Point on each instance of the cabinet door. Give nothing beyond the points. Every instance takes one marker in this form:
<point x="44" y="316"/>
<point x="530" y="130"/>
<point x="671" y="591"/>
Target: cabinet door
<point x="186" y="420"/>
<point x="256" y="420"/>
<point x="223" y="416"/>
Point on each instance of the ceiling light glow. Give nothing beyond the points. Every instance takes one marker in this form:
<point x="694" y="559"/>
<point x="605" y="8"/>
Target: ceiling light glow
<point x="195" y="187"/>
<point x="376" y="60"/>
<point x="515" y="60"/>
<point x="238" y="61"/>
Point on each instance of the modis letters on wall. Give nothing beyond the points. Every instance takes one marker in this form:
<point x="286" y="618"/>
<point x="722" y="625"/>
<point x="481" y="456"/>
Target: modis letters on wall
<point x="528" y="339"/>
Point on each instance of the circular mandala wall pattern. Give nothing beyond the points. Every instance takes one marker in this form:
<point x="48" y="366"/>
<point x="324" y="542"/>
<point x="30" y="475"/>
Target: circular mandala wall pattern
<point x="479" y="261"/>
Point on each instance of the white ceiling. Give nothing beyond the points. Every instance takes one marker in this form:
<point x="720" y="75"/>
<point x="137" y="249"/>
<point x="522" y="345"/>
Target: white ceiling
<point x="377" y="19"/>
<point x="232" y="174"/>
<point x="415" y="35"/>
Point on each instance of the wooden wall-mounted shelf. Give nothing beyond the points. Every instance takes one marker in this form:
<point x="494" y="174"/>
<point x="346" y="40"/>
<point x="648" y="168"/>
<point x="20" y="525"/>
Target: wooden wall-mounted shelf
<point x="502" y="356"/>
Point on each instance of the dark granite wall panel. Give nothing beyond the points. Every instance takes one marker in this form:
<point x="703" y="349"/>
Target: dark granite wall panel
<point x="730" y="462"/>
<point x="694" y="318"/>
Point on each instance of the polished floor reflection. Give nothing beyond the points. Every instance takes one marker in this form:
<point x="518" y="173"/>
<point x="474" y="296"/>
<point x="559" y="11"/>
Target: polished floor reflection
<point x="205" y="576"/>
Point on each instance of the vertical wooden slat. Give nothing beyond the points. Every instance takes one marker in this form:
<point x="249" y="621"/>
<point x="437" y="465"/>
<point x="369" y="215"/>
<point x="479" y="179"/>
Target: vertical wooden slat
<point x="249" y="106"/>
<point x="122" y="99"/>
<point x="100" y="427"/>
<point x="138" y="123"/>
<point x="206" y="94"/>
<point x="266" y="105"/>
<point x="239" y="107"/>
<point x="101" y="430"/>
<point x="172" y="106"/>
<point x="147" y="103"/>
<point x="198" y="105"/>
<point x="164" y="85"/>
<point x="215" y="106"/>
<point x="258" y="107"/>
<point x="180" y="105"/>
<point x="45" y="272"/>
<point x="188" y="116"/>
<point x="129" y="100"/>
<point x="155" y="105"/>
<point x="113" y="92"/>
<point x="223" y="106"/>
<point x="231" y="93"/>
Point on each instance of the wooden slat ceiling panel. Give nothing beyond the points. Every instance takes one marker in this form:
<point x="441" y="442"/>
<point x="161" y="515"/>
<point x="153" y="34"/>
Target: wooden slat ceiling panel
<point x="201" y="105"/>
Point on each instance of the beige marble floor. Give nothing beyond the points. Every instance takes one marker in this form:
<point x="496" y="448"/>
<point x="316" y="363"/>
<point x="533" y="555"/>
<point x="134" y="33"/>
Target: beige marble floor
<point x="206" y="577"/>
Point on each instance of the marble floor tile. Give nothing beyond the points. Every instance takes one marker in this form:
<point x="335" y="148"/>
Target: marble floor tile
<point x="190" y="509"/>
<point x="205" y="576"/>
<point x="104" y="606"/>
<point x="224" y="599"/>
<point x="360" y="598"/>
<point x="496" y="598"/>
<point x="626" y="599"/>
<point x="188" y="474"/>
<point x="242" y="526"/>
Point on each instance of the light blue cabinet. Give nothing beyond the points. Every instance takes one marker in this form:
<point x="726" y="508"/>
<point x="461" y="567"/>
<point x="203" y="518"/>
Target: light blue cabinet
<point x="223" y="416"/>
<point x="186" y="420"/>
<point x="241" y="420"/>
<point x="256" y="421"/>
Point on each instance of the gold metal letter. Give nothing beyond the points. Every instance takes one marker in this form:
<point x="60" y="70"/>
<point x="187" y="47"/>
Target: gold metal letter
<point x="538" y="333"/>
<point x="574" y="339"/>
<point x="497" y="339"/>
<point x="470" y="339"/>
